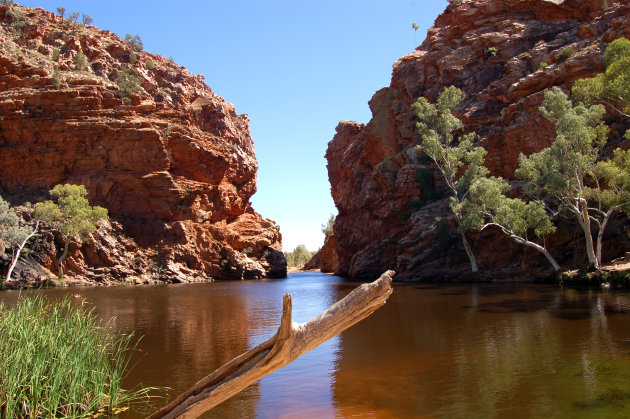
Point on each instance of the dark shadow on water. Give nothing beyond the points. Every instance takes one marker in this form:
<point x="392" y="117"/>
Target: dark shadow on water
<point x="514" y="305"/>
<point x="615" y="398"/>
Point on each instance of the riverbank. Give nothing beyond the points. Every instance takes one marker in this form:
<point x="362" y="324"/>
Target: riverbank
<point x="615" y="274"/>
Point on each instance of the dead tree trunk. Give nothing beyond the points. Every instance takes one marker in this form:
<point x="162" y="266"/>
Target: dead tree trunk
<point x="290" y="342"/>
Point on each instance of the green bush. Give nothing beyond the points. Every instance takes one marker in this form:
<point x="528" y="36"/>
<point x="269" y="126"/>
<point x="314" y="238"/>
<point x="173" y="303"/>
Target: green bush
<point x="58" y="360"/>
<point x="150" y="65"/>
<point x="564" y="54"/>
<point x="56" y="78"/>
<point x="299" y="256"/>
<point x="128" y="81"/>
<point x="135" y="42"/>
<point x="492" y="52"/>
<point x="133" y="58"/>
<point x="18" y="19"/>
<point x="542" y="65"/>
<point x="55" y="55"/>
<point x="80" y="61"/>
<point x="328" y="228"/>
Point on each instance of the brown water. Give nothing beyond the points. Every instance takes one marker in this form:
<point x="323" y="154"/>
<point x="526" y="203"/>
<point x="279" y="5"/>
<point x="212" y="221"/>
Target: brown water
<point x="454" y="351"/>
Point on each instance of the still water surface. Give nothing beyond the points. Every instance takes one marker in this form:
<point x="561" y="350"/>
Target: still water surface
<point x="455" y="351"/>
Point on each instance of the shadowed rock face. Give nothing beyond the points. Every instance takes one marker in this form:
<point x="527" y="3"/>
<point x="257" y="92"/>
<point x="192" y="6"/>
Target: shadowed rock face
<point x="493" y="51"/>
<point x="173" y="163"/>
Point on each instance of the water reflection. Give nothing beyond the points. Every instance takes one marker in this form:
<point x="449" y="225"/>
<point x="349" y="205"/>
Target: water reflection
<point x="488" y="351"/>
<point x="432" y="351"/>
<point x="190" y="330"/>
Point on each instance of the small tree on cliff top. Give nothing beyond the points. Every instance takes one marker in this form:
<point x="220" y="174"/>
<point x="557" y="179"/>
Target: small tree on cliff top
<point x="437" y="126"/>
<point x="71" y="215"/>
<point x="327" y="228"/>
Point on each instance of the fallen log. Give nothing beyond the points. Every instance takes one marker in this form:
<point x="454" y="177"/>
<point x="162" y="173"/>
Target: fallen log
<point x="291" y="341"/>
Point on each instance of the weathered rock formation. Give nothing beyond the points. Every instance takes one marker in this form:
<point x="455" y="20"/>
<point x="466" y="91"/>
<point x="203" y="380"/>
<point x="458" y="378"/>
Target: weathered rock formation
<point x="172" y="162"/>
<point x="502" y="54"/>
<point x="326" y="259"/>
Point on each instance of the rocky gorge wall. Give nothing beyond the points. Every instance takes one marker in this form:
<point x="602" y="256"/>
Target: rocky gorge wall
<point x="493" y="51"/>
<point x="172" y="162"/>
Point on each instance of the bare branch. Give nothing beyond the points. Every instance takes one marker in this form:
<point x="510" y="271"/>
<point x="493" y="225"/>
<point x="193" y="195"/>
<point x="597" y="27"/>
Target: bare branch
<point x="290" y="342"/>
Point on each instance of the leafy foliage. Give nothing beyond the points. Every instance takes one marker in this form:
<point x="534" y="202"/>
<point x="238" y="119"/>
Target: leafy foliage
<point x="13" y="234"/>
<point x="61" y="11"/>
<point x="328" y="228"/>
<point x="487" y="199"/>
<point x="459" y="161"/>
<point x="74" y="17"/>
<point x="299" y="256"/>
<point x="134" y="41"/>
<point x="80" y="61"/>
<point x="128" y="81"/>
<point x="612" y="188"/>
<point x="56" y="78"/>
<point x="562" y="170"/>
<point x="611" y="87"/>
<point x="564" y="54"/>
<point x="87" y="19"/>
<point x="487" y="205"/>
<point x="71" y="215"/>
<point x="415" y="28"/>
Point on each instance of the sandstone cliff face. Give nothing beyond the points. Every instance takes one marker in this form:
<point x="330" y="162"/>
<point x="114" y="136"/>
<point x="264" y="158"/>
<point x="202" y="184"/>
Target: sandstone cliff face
<point x="173" y="163"/>
<point x="326" y="259"/>
<point x="372" y="168"/>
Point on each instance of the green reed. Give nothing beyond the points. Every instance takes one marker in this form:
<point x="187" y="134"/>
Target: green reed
<point x="58" y="360"/>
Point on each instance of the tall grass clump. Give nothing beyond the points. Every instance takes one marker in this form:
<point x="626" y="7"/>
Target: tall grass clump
<point x="58" y="360"/>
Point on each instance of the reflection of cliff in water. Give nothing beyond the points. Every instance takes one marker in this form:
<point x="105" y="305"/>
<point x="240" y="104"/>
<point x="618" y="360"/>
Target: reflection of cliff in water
<point x="487" y="351"/>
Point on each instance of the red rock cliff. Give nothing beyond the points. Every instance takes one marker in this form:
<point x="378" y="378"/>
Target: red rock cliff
<point x="173" y="163"/>
<point x="372" y="168"/>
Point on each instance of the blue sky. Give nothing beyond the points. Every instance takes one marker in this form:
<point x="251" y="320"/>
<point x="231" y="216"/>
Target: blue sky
<point x="296" y="67"/>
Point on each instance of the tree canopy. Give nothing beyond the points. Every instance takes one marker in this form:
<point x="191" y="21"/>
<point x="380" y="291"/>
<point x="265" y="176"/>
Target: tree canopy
<point x="327" y="228"/>
<point x="13" y="234"/>
<point x="562" y="170"/>
<point x="71" y="214"/>
<point x="299" y="256"/>
<point x="612" y="87"/>
<point x="459" y="161"/>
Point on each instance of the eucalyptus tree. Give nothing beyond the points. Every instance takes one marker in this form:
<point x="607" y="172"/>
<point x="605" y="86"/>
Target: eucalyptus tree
<point x="563" y="170"/>
<point x="610" y="192"/>
<point x="612" y="87"/>
<point x="13" y="234"/>
<point x="457" y="158"/>
<point x="70" y="214"/>
<point x="487" y="205"/>
<point x="87" y="19"/>
<point x="74" y="17"/>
